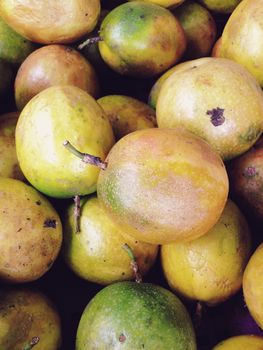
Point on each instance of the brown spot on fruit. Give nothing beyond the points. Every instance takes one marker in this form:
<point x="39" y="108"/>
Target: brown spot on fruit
<point x="38" y="203"/>
<point x="216" y="116"/>
<point x="50" y="223"/>
<point x="122" y="338"/>
<point x="249" y="172"/>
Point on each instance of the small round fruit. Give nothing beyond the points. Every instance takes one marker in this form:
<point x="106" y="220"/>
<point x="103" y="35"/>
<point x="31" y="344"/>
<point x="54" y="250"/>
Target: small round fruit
<point x="210" y="268"/>
<point x="209" y="101"/>
<point x="168" y="184"/>
<point x="96" y="252"/>
<point x="129" y="315"/>
<point x="253" y="285"/>
<point x="56" y="114"/>
<point x="250" y="342"/>
<point x="141" y="39"/>
<point x="53" y="65"/>
<point x="63" y="21"/>
<point x="30" y="232"/>
<point x="27" y="314"/>
<point x="127" y="114"/>
<point x="9" y="166"/>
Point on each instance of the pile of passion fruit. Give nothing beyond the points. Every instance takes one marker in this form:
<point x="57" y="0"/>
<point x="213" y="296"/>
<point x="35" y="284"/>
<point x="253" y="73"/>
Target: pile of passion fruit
<point x="131" y="175"/>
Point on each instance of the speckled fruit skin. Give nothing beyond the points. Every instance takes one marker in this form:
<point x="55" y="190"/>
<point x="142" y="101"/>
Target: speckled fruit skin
<point x="221" y="6"/>
<point x="155" y="90"/>
<point x="141" y="39"/>
<point x="53" y="65"/>
<point x="165" y="3"/>
<point x="96" y="253"/>
<point x="47" y="22"/>
<point x="246" y="179"/>
<point x="27" y="313"/>
<point x="168" y="184"/>
<point x="133" y="316"/>
<point x="251" y="342"/>
<point x="242" y="37"/>
<point x="9" y="166"/>
<point x="209" y="101"/>
<point x="210" y="268"/>
<point x="57" y="114"/>
<point x="13" y="47"/>
<point x="253" y="285"/>
<point x="30" y="232"/>
<point x="127" y="114"/>
<point x="200" y="29"/>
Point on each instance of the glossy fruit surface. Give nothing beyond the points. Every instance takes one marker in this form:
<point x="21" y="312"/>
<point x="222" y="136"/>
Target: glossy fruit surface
<point x="250" y="342"/>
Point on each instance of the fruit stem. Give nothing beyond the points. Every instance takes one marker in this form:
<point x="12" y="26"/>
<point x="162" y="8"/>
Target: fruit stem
<point x="89" y="41"/>
<point x="198" y="314"/>
<point x="134" y="265"/>
<point x="77" y="213"/>
<point x="34" y="341"/>
<point x="85" y="157"/>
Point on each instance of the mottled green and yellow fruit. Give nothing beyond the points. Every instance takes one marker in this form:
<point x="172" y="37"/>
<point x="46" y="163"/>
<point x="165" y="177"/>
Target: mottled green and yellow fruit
<point x="200" y="29"/>
<point x="129" y="315"/>
<point x="168" y="184"/>
<point x="127" y="114"/>
<point x="27" y="316"/>
<point x="141" y="39"/>
<point x="250" y="342"/>
<point x="63" y="21"/>
<point x="166" y="3"/>
<point x="30" y="232"/>
<point x="253" y="286"/>
<point x="242" y="38"/>
<point x="57" y="114"/>
<point x="221" y="6"/>
<point x="53" y="65"/>
<point x="208" y="100"/>
<point x="9" y="166"/>
<point x="96" y="253"/>
<point x="210" y="268"/>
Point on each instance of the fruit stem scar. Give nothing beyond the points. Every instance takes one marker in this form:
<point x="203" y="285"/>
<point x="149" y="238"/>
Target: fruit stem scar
<point x="77" y="213"/>
<point x="89" y="41"/>
<point x="34" y="341"/>
<point x="134" y="265"/>
<point x="85" y="157"/>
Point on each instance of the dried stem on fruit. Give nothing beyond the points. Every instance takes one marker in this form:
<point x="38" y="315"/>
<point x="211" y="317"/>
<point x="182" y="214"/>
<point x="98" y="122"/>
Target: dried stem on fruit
<point x="34" y="341"/>
<point x="89" y="41"/>
<point x="134" y="265"/>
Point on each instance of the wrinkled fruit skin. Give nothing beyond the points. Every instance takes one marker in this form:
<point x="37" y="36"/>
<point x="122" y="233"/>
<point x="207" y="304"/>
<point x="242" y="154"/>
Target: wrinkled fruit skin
<point x="253" y="285"/>
<point x="25" y="314"/>
<point x="210" y="268"/>
<point x="133" y="44"/>
<point x="167" y="184"/>
<point x="129" y="315"/>
<point x="30" y="232"/>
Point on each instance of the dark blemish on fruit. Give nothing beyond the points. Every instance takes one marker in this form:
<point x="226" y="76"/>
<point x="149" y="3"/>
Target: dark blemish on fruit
<point x="38" y="203"/>
<point x="123" y="273"/>
<point x="226" y="225"/>
<point x="19" y="247"/>
<point x="194" y="67"/>
<point x="28" y="219"/>
<point x="20" y="229"/>
<point x="142" y="16"/>
<point x="50" y="223"/>
<point x="122" y="338"/>
<point x="86" y="14"/>
<point x="136" y="242"/>
<point x="68" y="49"/>
<point x="104" y="260"/>
<point x="249" y="172"/>
<point x="216" y="116"/>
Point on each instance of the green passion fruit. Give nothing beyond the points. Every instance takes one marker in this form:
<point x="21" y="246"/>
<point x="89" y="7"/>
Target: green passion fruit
<point x="129" y="315"/>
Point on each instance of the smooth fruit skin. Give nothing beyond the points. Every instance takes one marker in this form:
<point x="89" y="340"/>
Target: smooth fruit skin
<point x="13" y="47"/>
<point x="127" y="114"/>
<point x="209" y="101"/>
<point x="155" y="90"/>
<point x="133" y="316"/>
<point x="242" y="37"/>
<point x="141" y="39"/>
<point x="27" y="313"/>
<point x="168" y="184"/>
<point x="253" y="285"/>
<point x="166" y="3"/>
<point x="96" y="252"/>
<point x="57" y="114"/>
<point x="220" y="6"/>
<point x="250" y="342"/>
<point x="216" y="48"/>
<point x="30" y="232"/>
<point x="53" y="65"/>
<point x="9" y="166"/>
<point x="210" y="268"/>
<point x="49" y="22"/>
<point x="200" y="29"/>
